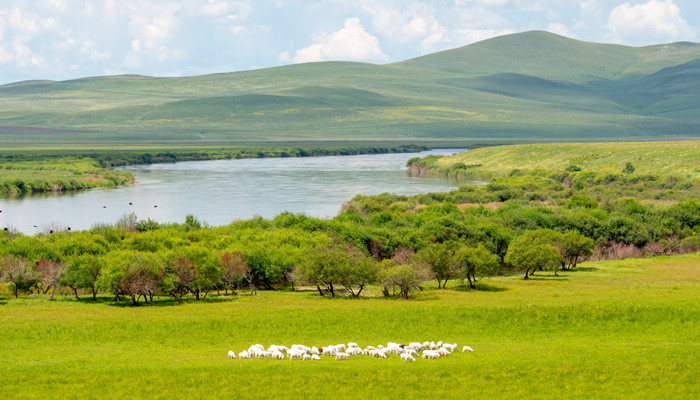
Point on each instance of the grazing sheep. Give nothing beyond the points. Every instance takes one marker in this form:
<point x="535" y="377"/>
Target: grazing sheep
<point x="243" y="354"/>
<point x="352" y="344"/>
<point x="315" y="351"/>
<point x="292" y="354"/>
<point x="341" y="356"/>
<point x="450" y="347"/>
<point x="306" y="357"/>
<point x="381" y="354"/>
<point x="277" y="355"/>
<point x="283" y="349"/>
<point x="431" y="354"/>
<point x="443" y="352"/>
<point x="340" y="347"/>
<point x="467" y="348"/>
<point x="231" y="354"/>
<point x="315" y="357"/>
<point x="409" y="351"/>
<point x="407" y="357"/>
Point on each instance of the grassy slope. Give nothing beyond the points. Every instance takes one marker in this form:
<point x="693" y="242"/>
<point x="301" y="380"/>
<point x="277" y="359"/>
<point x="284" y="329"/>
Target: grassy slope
<point x="664" y="158"/>
<point x="530" y="85"/>
<point x="621" y="329"/>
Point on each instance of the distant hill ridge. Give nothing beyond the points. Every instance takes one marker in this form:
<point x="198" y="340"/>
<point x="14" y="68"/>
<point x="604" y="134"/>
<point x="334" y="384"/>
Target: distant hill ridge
<point x="532" y="85"/>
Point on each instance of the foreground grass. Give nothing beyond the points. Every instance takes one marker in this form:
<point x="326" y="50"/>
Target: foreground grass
<point x="621" y="329"/>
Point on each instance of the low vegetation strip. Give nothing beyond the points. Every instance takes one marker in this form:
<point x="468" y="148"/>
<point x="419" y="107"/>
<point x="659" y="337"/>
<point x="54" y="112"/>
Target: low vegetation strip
<point x="615" y="329"/>
<point x="680" y="159"/>
<point x="56" y="175"/>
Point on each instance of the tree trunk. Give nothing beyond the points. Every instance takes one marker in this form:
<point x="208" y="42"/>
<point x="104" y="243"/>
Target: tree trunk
<point x="320" y="291"/>
<point x="330" y="287"/>
<point x="75" y="291"/>
<point x="362" y="286"/>
<point x="94" y="293"/>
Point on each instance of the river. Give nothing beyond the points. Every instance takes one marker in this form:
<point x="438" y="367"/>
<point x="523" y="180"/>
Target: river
<point x="218" y="192"/>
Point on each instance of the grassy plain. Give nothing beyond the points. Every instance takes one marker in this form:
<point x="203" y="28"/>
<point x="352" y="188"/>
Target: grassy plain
<point x="680" y="158"/>
<point x="619" y="329"/>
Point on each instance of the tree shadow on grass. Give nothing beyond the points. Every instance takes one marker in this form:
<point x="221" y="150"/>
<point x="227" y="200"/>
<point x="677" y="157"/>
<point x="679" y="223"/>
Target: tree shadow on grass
<point x="558" y="278"/>
<point x="157" y="302"/>
<point x="479" y="287"/>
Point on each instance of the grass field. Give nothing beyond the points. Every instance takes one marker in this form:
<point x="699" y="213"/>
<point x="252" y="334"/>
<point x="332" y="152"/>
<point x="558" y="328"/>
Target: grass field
<point x="680" y="158"/>
<point x="614" y="330"/>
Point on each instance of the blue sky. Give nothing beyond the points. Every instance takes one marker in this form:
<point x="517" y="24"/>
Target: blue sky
<point x="65" y="39"/>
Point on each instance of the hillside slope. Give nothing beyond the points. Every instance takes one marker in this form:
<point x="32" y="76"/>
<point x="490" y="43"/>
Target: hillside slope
<point x="533" y="85"/>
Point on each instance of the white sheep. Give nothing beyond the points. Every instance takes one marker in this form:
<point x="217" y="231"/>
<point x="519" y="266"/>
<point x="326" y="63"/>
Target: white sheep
<point x="341" y="356"/>
<point x="467" y="348"/>
<point x="443" y="352"/>
<point x="431" y="354"/>
<point x="306" y="357"/>
<point x="340" y="347"/>
<point x="231" y="354"/>
<point x="292" y="354"/>
<point x="407" y="357"/>
<point x="450" y="347"/>
<point x="352" y="344"/>
<point x="243" y="354"/>
<point x="277" y="355"/>
<point x="315" y="357"/>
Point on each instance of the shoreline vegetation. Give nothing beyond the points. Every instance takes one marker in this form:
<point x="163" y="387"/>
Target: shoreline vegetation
<point x="527" y="221"/>
<point x="22" y="174"/>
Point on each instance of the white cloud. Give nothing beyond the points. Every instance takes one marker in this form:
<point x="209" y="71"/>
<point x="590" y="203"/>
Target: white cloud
<point x="656" y="19"/>
<point x="560" y="29"/>
<point x="351" y="42"/>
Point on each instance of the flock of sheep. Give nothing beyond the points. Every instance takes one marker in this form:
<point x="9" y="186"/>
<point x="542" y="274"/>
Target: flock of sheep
<point x="430" y="350"/>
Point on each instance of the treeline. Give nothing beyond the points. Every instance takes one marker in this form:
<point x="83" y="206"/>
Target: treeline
<point x="526" y="222"/>
<point x="113" y="159"/>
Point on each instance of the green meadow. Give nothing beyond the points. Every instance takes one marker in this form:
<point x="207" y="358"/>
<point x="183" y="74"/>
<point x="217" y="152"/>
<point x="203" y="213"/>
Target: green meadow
<point x="679" y="158"/>
<point x="616" y="329"/>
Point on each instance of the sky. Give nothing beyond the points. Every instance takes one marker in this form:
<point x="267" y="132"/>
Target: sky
<point x="67" y="39"/>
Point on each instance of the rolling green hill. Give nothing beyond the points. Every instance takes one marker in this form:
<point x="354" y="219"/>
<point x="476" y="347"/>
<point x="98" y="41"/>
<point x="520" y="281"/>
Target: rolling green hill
<point x="529" y="86"/>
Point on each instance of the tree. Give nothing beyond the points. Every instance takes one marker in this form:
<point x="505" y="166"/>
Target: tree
<point x="131" y="273"/>
<point x="529" y="253"/>
<point x="233" y="268"/>
<point x="360" y="272"/>
<point x="576" y="245"/>
<point x="83" y="273"/>
<point x="629" y="168"/>
<point x="197" y="270"/>
<point x="476" y="261"/>
<point x="50" y="273"/>
<point x="19" y="273"/>
<point x="438" y="257"/>
<point x="405" y="277"/>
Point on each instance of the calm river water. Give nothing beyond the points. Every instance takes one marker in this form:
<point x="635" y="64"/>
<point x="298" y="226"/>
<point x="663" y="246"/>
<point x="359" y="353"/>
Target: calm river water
<point x="218" y="192"/>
